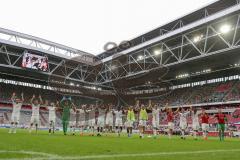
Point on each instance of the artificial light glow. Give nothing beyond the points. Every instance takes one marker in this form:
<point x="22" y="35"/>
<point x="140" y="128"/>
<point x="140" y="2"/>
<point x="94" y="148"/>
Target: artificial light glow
<point x="197" y="38"/>
<point x="236" y="64"/>
<point x="225" y="28"/>
<point x="182" y="76"/>
<point x="157" y="51"/>
<point x="206" y="70"/>
<point x="140" y="57"/>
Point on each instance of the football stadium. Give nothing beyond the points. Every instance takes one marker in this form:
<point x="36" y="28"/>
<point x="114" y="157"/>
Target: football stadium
<point x="172" y="93"/>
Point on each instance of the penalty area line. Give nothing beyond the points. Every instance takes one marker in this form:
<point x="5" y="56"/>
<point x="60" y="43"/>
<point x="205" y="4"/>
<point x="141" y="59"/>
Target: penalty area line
<point x="124" y="155"/>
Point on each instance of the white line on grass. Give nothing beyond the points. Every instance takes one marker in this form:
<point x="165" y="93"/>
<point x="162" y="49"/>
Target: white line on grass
<point x="54" y="157"/>
<point x="43" y="154"/>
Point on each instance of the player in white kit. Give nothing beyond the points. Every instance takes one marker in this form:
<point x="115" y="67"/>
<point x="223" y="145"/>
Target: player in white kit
<point x="155" y="119"/>
<point x="17" y="105"/>
<point x="109" y="119"/>
<point x="118" y="120"/>
<point x="91" y="119"/>
<point x="195" y="122"/>
<point x="101" y="119"/>
<point x="36" y="104"/>
<point x="72" y="122"/>
<point x="183" y="122"/>
<point x="51" y="115"/>
<point x="81" y="118"/>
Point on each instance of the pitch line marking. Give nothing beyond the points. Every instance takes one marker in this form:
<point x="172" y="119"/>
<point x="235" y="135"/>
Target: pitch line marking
<point x="55" y="157"/>
<point x="31" y="153"/>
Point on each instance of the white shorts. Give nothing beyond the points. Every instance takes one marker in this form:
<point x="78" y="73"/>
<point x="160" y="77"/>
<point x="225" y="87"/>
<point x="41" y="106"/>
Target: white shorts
<point x="155" y="123"/>
<point x="52" y="119"/>
<point x="205" y="126"/>
<point x="109" y="121"/>
<point x="100" y="122"/>
<point x="143" y="123"/>
<point x="195" y="126"/>
<point x="51" y="123"/>
<point x="91" y="122"/>
<point x="183" y="125"/>
<point x="15" y="117"/>
<point x="170" y="125"/>
<point x="129" y="124"/>
<point x="81" y="123"/>
<point x="72" y="123"/>
<point x="35" y="119"/>
<point x="118" y="123"/>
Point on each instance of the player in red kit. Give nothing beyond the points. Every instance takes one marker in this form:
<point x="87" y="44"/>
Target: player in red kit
<point x="170" y="120"/>
<point x="205" y="124"/>
<point x="221" y="118"/>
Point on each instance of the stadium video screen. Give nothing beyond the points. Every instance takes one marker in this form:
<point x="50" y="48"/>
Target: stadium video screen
<point x="36" y="62"/>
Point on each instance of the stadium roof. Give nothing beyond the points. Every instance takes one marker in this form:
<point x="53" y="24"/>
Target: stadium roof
<point x="144" y="39"/>
<point x="35" y="43"/>
<point x="8" y="36"/>
<point x="191" y="44"/>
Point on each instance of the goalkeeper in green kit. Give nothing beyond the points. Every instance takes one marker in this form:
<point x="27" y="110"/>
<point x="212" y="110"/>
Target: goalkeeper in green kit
<point x="66" y="104"/>
<point x="222" y="120"/>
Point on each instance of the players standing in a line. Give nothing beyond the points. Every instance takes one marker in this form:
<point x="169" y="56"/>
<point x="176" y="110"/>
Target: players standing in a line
<point x="155" y="119"/>
<point x="183" y="122"/>
<point x="222" y="119"/>
<point x="118" y="120"/>
<point x="35" y="103"/>
<point x="205" y="124"/>
<point x="66" y="105"/>
<point x="101" y="118"/>
<point x="17" y="104"/>
<point x="52" y="107"/>
<point x="195" y="122"/>
<point x="130" y="120"/>
<point x="109" y="119"/>
<point x="143" y="117"/>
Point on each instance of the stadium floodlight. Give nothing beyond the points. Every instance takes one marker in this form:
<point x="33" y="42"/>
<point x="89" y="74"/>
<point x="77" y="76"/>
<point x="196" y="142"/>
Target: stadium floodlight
<point x="157" y="51"/>
<point x="71" y="84"/>
<point x="236" y="64"/>
<point x="197" y="38"/>
<point x="140" y="57"/>
<point x="225" y="28"/>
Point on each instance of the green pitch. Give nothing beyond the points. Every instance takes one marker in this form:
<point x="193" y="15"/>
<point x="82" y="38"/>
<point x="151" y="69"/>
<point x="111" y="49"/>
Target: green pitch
<point x="43" y="146"/>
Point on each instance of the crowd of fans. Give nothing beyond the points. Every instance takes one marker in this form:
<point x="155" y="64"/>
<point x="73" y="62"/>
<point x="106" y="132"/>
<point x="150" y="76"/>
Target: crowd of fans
<point x="216" y="92"/>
